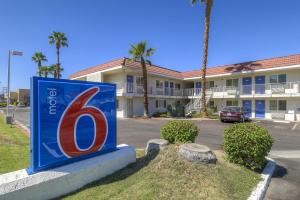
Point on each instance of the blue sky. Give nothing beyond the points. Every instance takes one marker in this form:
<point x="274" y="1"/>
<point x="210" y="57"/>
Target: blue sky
<point x="101" y="30"/>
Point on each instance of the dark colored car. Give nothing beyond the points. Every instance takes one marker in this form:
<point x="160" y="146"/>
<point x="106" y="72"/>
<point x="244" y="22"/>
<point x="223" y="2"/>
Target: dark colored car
<point x="233" y="113"/>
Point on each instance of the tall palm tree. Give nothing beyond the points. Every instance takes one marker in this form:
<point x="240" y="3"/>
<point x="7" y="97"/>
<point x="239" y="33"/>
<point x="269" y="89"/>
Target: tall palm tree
<point x="60" y="40"/>
<point x="141" y="53"/>
<point x="209" y="4"/>
<point x="39" y="57"/>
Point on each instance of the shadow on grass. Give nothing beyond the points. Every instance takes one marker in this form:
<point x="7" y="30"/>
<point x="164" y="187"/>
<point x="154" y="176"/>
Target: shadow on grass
<point x="122" y="174"/>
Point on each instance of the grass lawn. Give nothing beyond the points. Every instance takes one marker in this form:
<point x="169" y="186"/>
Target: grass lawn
<point x="167" y="176"/>
<point x="14" y="148"/>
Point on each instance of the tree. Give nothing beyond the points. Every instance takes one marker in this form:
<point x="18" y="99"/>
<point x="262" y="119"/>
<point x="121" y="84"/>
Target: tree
<point x="39" y="57"/>
<point x="209" y="4"/>
<point x="140" y="53"/>
<point x="60" y="40"/>
<point x="47" y="70"/>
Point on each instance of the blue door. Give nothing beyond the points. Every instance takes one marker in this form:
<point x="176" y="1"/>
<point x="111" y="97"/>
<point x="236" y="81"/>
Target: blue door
<point x="198" y="88"/>
<point x="129" y="83"/>
<point x="247" y="106"/>
<point x="166" y="88"/>
<point x="260" y="109"/>
<point x="247" y="85"/>
<point x="260" y="84"/>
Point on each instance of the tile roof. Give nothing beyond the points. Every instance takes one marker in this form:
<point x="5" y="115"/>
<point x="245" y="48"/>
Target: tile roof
<point x="110" y="64"/>
<point x="154" y="69"/>
<point x="252" y="65"/>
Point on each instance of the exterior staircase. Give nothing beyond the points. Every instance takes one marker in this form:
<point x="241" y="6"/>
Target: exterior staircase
<point x="195" y="104"/>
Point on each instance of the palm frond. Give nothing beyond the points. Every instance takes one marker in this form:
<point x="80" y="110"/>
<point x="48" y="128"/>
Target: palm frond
<point x="150" y="52"/>
<point x="148" y="62"/>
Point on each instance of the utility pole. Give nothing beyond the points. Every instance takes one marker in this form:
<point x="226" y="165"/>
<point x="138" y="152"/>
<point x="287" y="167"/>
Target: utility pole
<point x="8" y="119"/>
<point x="10" y="53"/>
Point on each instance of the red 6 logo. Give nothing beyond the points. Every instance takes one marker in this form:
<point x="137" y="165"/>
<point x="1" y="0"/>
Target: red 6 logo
<point x="68" y="123"/>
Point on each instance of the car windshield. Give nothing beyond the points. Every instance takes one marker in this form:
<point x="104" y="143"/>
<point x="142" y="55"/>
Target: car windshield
<point x="232" y="109"/>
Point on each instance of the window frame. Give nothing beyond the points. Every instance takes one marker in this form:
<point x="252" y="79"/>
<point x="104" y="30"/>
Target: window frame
<point x="233" y="103"/>
<point x="285" y="105"/>
<point x="278" y="107"/>
<point x="177" y="84"/>
<point x="273" y="107"/>
<point x="275" y="78"/>
<point x="159" y="84"/>
<point x="141" y="81"/>
<point x="160" y="103"/>
<point x="232" y="81"/>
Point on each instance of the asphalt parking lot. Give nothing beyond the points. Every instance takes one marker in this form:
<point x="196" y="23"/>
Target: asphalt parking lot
<point x="285" y="183"/>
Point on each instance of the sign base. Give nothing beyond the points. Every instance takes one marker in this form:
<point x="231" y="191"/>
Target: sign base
<point x="63" y="180"/>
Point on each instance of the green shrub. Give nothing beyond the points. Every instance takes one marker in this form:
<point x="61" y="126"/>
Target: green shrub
<point x="160" y="114"/>
<point x="175" y="110"/>
<point x="247" y="144"/>
<point x="3" y="104"/>
<point x="210" y="112"/>
<point x="179" y="131"/>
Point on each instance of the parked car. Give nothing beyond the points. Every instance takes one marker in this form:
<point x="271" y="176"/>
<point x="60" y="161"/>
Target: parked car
<point x="21" y="105"/>
<point x="233" y="113"/>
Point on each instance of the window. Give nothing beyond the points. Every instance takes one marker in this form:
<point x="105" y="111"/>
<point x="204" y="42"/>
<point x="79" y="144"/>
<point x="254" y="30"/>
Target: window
<point x="232" y="82"/>
<point x="160" y="103"/>
<point x="279" y="105"/>
<point x="282" y="105"/>
<point x="139" y="81"/>
<point x="210" y="84"/>
<point x="273" y="105"/>
<point x="177" y="86"/>
<point x="281" y="78"/>
<point x="211" y="104"/>
<point x="159" y="84"/>
<point x="232" y="103"/>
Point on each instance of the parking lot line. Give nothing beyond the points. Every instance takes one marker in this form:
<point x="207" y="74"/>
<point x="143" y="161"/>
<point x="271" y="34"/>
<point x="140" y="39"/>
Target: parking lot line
<point x="294" y="127"/>
<point x="285" y="154"/>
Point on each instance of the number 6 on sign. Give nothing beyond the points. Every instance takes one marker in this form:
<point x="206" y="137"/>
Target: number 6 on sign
<point x="68" y="124"/>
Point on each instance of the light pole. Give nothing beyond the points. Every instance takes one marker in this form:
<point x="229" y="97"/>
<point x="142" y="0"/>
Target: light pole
<point x="10" y="53"/>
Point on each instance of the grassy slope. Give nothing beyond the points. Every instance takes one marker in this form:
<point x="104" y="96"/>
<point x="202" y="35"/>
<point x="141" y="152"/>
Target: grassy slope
<point x="169" y="177"/>
<point x="14" y="148"/>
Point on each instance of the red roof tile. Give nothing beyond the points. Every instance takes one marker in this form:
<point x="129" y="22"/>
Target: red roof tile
<point x="154" y="69"/>
<point x="111" y="64"/>
<point x="253" y="65"/>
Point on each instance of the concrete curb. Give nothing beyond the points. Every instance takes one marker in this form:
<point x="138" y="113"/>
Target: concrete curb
<point x="62" y="180"/>
<point x="260" y="190"/>
<point x="23" y="127"/>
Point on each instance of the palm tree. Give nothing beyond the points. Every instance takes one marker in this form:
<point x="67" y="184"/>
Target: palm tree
<point x="141" y="53"/>
<point x="39" y="57"/>
<point x="60" y="40"/>
<point x="209" y="4"/>
<point x="47" y="70"/>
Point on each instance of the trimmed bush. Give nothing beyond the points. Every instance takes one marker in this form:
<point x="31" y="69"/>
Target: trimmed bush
<point x="247" y="144"/>
<point x="179" y="131"/>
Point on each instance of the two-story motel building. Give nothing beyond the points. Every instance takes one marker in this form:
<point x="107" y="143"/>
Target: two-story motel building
<point x="268" y="89"/>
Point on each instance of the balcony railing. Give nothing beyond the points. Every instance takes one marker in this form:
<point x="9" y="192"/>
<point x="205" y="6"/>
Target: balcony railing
<point x="221" y="91"/>
<point x="139" y="89"/>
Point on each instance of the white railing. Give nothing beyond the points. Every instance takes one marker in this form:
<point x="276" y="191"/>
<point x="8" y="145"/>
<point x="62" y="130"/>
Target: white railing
<point x="220" y="91"/>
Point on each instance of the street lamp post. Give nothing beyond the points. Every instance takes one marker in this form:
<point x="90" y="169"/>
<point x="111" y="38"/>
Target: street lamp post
<point x="10" y="53"/>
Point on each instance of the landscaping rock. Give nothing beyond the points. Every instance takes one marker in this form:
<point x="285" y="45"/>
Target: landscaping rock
<point x="197" y="153"/>
<point x="155" y="145"/>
